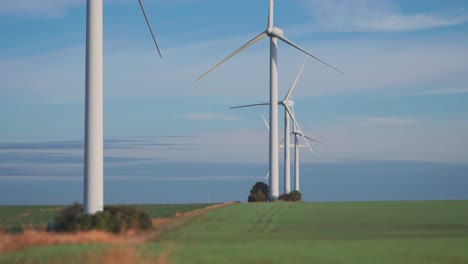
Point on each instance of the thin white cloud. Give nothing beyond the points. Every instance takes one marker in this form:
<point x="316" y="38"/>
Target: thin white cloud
<point x="368" y="64"/>
<point x="197" y="178"/>
<point x="31" y="178"/>
<point x="39" y="8"/>
<point x="59" y="8"/>
<point x="399" y="22"/>
<point x="375" y="15"/>
<point x="208" y="117"/>
<point x="380" y="121"/>
<point x="28" y="178"/>
<point x="444" y="91"/>
<point x="416" y="140"/>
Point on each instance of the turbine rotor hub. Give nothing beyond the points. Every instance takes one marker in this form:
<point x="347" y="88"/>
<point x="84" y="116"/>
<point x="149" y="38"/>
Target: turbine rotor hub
<point x="274" y="32"/>
<point x="288" y="103"/>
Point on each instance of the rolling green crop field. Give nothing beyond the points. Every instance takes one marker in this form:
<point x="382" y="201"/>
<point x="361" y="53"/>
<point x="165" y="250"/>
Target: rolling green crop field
<point x="348" y="232"/>
<point x="40" y="216"/>
<point x="362" y="232"/>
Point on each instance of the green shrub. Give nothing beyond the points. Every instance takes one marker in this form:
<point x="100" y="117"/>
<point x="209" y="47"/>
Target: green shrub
<point x="285" y="197"/>
<point x="259" y="192"/>
<point x="131" y="218"/>
<point x="257" y="197"/>
<point x="260" y="187"/>
<point x="113" y="219"/>
<point x="295" y="196"/>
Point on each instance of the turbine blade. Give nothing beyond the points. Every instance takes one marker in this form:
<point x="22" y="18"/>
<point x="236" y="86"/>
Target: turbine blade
<point x="267" y="176"/>
<point x="299" y="128"/>
<point x="252" y="41"/>
<point x="149" y="26"/>
<point x="265" y="121"/>
<point x="281" y="142"/>
<point x="316" y="141"/>
<point x="286" y="40"/>
<point x="297" y="78"/>
<point x="242" y="106"/>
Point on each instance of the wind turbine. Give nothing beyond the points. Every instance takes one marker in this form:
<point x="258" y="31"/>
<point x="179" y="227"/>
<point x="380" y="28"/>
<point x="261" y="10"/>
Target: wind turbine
<point x="297" y="134"/>
<point x="288" y="104"/>
<point x="274" y="33"/>
<point x="93" y="197"/>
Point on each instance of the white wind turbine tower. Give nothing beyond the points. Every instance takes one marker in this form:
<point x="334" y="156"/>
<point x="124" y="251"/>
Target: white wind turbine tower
<point x="297" y="132"/>
<point x="288" y="104"/>
<point x="94" y="143"/>
<point x="274" y="33"/>
<point x="297" y="145"/>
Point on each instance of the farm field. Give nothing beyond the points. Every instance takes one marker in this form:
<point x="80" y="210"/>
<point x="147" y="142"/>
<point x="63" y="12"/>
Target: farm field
<point x="362" y="232"/>
<point x="40" y="216"/>
<point x="348" y="232"/>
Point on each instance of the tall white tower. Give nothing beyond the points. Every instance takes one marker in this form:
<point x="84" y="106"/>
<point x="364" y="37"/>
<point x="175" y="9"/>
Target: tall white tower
<point x="94" y="145"/>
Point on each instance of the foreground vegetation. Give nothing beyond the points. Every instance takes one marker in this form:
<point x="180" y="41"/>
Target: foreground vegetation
<point x="283" y="232"/>
<point x="18" y="217"/>
<point x="116" y="219"/>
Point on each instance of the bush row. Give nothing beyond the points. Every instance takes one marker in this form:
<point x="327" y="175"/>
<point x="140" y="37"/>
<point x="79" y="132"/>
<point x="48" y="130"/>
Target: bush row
<point x="260" y="192"/>
<point x="113" y="219"/>
<point x="294" y="196"/>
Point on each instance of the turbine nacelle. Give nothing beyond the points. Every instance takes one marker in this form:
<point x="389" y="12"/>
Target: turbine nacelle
<point x="288" y="103"/>
<point x="296" y="132"/>
<point x="274" y="32"/>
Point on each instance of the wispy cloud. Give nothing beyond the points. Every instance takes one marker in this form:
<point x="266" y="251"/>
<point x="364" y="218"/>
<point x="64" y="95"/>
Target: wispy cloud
<point x="368" y="64"/>
<point x="23" y="178"/>
<point x="59" y="8"/>
<point x="196" y="178"/>
<point x="376" y="15"/>
<point x="31" y="178"/>
<point x="208" y="116"/>
<point x="399" y="22"/>
<point x="444" y="91"/>
<point x="380" y="121"/>
<point x="36" y="8"/>
<point x="392" y="138"/>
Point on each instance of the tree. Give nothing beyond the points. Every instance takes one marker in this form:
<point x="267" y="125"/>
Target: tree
<point x="259" y="192"/>
<point x="285" y="197"/>
<point x="113" y="219"/>
<point x="295" y="196"/>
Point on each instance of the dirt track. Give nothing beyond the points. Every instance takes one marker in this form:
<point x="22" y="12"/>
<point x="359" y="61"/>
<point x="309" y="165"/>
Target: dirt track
<point x="173" y="222"/>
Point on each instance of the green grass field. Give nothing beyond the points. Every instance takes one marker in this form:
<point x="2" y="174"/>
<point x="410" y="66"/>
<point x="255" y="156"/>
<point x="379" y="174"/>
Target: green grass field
<point x="352" y="232"/>
<point x="364" y="232"/>
<point x="40" y="216"/>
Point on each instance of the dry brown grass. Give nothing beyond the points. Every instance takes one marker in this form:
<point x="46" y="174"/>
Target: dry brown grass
<point x="9" y="242"/>
<point x="126" y="254"/>
<point x="160" y="221"/>
<point x="12" y="242"/>
<point x="120" y="254"/>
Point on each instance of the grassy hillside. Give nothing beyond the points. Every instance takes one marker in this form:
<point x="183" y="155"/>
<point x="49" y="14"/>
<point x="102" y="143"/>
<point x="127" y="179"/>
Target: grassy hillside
<point x="367" y="232"/>
<point x="27" y="216"/>
<point x="361" y="232"/>
<point x="39" y="216"/>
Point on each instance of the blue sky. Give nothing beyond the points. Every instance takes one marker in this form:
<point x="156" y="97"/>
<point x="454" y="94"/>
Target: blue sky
<point x="404" y="94"/>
